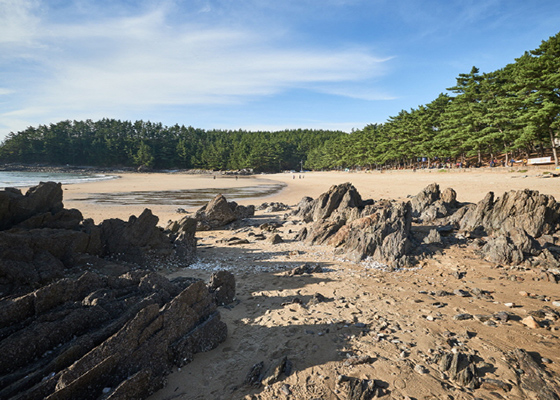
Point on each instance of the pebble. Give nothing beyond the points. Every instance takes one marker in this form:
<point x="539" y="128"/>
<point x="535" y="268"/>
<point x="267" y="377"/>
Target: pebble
<point x="286" y="389"/>
<point x="546" y="360"/>
<point x="462" y="317"/>
<point x="421" y="369"/>
<point x="556" y="303"/>
<point x="461" y="293"/>
<point x="509" y="305"/>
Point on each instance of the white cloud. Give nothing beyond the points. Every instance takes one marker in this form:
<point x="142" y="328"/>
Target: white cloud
<point x="121" y="63"/>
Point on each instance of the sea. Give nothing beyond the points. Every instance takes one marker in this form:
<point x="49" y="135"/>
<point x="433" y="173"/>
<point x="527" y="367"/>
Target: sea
<point x="26" y="179"/>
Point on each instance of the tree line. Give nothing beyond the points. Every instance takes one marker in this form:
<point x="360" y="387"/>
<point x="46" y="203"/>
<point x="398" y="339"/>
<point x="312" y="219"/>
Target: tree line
<point x="511" y="112"/>
<point x="112" y="143"/>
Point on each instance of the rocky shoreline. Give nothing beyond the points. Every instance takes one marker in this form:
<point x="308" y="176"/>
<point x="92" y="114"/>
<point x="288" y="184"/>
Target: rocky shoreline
<point x="337" y="298"/>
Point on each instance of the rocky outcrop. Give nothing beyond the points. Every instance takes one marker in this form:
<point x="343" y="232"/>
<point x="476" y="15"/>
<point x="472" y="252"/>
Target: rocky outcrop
<point x="40" y="239"/>
<point x="431" y="204"/>
<point x="382" y="236"/>
<point x="81" y="317"/>
<point x="514" y="224"/>
<point x="103" y="337"/>
<point x="537" y="214"/>
<point x="360" y="228"/>
<point x="16" y="207"/>
<point x="219" y="212"/>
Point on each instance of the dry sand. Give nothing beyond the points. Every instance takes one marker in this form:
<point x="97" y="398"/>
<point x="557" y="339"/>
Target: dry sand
<point x="395" y="321"/>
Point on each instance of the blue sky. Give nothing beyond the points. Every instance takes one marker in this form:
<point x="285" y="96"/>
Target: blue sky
<point x="250" y="64"/>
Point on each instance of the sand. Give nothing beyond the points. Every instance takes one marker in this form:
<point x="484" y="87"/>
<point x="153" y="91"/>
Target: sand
<point x="470" y="184"/>
<point x="374" y="324"/>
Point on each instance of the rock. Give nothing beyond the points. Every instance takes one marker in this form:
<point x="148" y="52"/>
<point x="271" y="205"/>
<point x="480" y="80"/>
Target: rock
<point x="218" y="212"/>
<point x="461" y="369"/>
<point x="530" y="322"/>
<point x="254" y="376"/>
<point x="16" y="207"/>
<point x="535" y="382"/>
<point x="222" y="286"/>
<point x="305" y="269"/>
<point x="502" y="316"/>
<point x="461" y="293"/>
<point x="273" y="375"/>
<point x="96" y="332"/>
<point x="462" y="317"/>
<point x="500" y="249"/>
<point x="421" y="369"/>
<point x="137" y="241"/>
<point x="495" y="384"/>
<point x="273" y="207"/>
<point x="433" y="237"/>
<point x="275" y="239"/>
<point x="383" y="236"/>
<point x="302" y="234"/>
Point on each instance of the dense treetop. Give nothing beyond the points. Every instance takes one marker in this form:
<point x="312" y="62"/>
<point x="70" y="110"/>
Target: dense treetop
<point x="511" y="112"/>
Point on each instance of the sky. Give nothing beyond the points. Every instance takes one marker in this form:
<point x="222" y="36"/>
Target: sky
<point x="250" y="64"/>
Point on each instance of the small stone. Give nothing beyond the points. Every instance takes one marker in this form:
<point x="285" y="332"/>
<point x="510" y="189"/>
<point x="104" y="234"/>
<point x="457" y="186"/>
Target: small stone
<point x="524" y="293"/>
<point x="421" y="369"/>
<point x="286" y="389"/>
<point x="530" y="322"/>
<point x="502" y="316"/>
<point x="494" y="384"/>
<point x="556" y="303"/>
<point x="430" y="318"/>
<point x="481" y="317"/>
<point x="461" y="293"/>
<point x="462" y="317"/>
<point x="509" y="305"/>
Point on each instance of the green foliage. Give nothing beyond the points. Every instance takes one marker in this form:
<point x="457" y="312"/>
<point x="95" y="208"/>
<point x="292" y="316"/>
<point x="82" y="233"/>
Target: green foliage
<point x="110" y="142"/>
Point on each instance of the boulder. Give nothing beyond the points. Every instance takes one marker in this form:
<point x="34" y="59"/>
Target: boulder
<point x="16" y="207"/>
<point x="98" y="332"/>
<point x="536" y="213"/>
<point x="218" y="212"/>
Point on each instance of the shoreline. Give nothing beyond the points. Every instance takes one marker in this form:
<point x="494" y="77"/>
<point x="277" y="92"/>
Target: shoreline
<point x="471" y="186"/>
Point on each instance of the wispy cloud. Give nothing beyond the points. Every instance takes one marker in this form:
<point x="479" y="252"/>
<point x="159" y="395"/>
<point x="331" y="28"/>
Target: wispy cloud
<point x="149" y="60"/>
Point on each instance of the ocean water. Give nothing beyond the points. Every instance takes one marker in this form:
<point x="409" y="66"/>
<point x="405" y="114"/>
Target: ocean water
<point x="25" y="179"/>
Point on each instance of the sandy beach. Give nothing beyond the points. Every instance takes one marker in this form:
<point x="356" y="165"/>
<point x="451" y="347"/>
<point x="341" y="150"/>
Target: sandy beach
<point x="355" y="320"/>
<point x="471" y="185"/>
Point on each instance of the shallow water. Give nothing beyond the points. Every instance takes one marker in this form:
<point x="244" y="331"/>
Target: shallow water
<point x="27" y="179"/>
<point x="185" y="198"/>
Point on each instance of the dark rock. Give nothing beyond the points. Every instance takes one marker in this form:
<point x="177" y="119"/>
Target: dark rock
<point x="219" y="212"/>
<point x="275" y="239"/>
<point x="433" y="237"/>
<point x="254" y="376"/>
<point x="302" y="234"/>
<point x="16" y="207"/>
<point x="278" y="369"/>
<point x="535" y="381"/>
<point x="222" y="285"/>
<point x="461" y="369"/>
<point x="305" y="269"/>
<point x="383" y="236"/>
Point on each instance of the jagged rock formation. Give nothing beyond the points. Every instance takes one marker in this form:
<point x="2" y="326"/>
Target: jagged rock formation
<point x="81" y="317"/>
<point x="361" y="228"/>
<point x="219" y="212"/>
<point x="103" y="337"/>
<point x="519" y="225"/>
<point x="40" y="239"/>
<point x="430" y="203"/>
